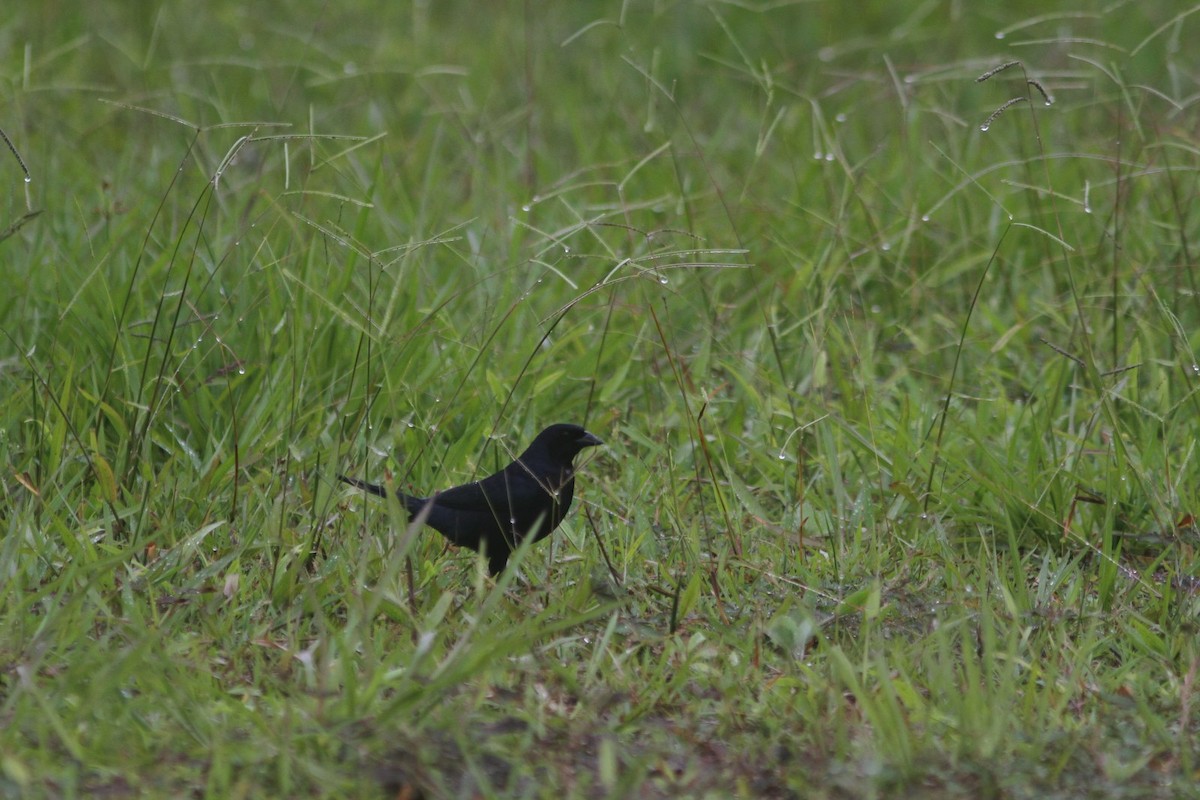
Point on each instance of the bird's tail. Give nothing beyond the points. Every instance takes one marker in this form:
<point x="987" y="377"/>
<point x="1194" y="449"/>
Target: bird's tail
<point x="370" y="488"/>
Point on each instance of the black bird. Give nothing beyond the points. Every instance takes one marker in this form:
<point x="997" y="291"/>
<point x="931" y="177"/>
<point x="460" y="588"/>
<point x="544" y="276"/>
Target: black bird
<point x="529" y="497"/>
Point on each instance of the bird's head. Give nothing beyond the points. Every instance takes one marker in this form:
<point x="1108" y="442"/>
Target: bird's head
<point x="563" y="441"/>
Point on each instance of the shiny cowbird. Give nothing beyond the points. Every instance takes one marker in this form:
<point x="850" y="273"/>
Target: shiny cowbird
<point x="528" y="498"/>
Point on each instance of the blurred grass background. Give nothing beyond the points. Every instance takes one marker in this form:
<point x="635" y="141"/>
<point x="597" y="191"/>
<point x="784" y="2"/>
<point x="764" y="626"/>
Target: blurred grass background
<point x="900" y="414"/>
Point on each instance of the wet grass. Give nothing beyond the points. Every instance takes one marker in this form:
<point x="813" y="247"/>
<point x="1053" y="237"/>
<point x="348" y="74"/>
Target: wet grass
<point x="900" y="413"/>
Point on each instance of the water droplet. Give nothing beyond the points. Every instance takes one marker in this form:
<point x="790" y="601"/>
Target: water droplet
<point x="566" y="250"/>
<point x="1196" y="368"/>
<point x="526" y="208"/>
<point x="663" y="280"/>
<point x="29" y="179"/>
<point x="885" y="246"/>
<point x="818" y="155"/>
<point x="924" y="218"/>
<point x="840" y="117"/>
<point x="241" y="370"/>
<point x="829" y="156"/>
<point x="1000" y="34"/>
<point x="984" y="127"/>
<point x="1050" y="100"/>
<point x="782" y="456"/>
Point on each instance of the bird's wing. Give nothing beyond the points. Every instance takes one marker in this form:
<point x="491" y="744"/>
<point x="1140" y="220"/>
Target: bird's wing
<point x="515" y="486"/>
<point x="470" y="497"/>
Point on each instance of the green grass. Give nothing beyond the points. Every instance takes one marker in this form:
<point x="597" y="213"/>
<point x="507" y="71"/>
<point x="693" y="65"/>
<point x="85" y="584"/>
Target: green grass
<point x="901" y="415"/>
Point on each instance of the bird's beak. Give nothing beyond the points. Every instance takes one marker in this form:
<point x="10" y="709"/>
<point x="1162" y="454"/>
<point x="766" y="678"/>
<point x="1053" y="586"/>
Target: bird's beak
<point x="588" y="440"/>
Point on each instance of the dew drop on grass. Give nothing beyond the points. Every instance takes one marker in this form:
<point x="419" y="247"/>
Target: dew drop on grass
<point x="984" y="127"/>
<point x="29" y="179"/>
<point x="663" y="280"/>
<point x="526" y="208"/>
<point x="1000" y="34"/>
<point x="924" y="218"/>
<point x="829" y="156"/>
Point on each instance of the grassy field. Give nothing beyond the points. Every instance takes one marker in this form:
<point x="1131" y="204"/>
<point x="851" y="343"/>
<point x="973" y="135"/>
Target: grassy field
<point x="888" y="315"/>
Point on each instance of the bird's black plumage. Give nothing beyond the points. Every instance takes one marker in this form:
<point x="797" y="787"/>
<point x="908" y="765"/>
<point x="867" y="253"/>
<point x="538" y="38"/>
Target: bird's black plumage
<point x="529" y="497"/>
